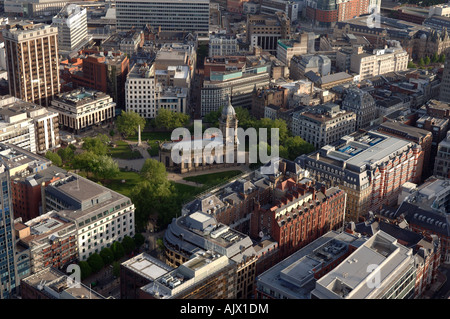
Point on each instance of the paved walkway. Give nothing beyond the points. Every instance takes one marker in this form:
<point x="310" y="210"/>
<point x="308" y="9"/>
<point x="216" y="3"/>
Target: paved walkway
<point x="178" y="178"/>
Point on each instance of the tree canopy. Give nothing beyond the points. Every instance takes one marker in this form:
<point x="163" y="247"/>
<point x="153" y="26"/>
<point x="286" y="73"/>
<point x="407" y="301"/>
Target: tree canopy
<point x="128" y="123"/>
<point x="54" y="157"/>
<point x="166" y="119"/>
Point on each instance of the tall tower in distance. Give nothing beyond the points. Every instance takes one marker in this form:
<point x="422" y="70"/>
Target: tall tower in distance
<point x="32" y="61"/>
<point x="9" y="280"/>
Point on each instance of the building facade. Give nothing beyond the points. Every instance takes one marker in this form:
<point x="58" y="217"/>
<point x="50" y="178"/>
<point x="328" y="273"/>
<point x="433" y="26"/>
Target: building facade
<point x="362" y="104"/>
<point x="370" y="167"/>
<point x="81" y="109"/>
<point x="33" y="62"/>
<point x="192" y="15"/>
<point x="323" y="125"/>
<point x="71" y="22"/>
<point x="442" y="161"/>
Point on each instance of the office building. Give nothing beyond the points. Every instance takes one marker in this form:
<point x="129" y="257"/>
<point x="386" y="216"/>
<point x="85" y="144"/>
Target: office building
<point x="379" y="62"/>
<point x="445" y="83"/>
<point x="71" y="22"/>
<point x="169" y="15"/>
<point x="264" y="31"/>
<point x="222" y="44"/>
<point x="300" y="65"/>
<point x="370" y="167"/>
<point x="381" y="268"/>
<point x="101" y="215"/>
<point x="28" y="172"/>
<point x="138" y="272"/>
<point x="8" y="265"/>
<point x="442" y="160"/>
<point x="426" y="249"/>
<point x="52" y="241"/>
<point x="419" y="136"/>
<point x="34" y="8"/>
<point x="105" y="72"/>
<point x="323" y="125"/>
<point x="362" y="104"/>
<point x="287" y="48"/>
<point x="328" y="13"/>
<point x="264" y="97"/>
<point x="82" y="109"/>
<point x="237" y="84"/>
<point x="290" y="8"/>
<point x="425" y="208"/>
<point x="295" y="277"/>
<point x="208" y="275"/>
<point x="32" y="61"/>
<point x="27" y="125"/>
<point x="51" y="283"/>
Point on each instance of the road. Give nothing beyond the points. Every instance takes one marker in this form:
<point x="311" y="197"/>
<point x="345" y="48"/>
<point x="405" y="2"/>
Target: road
<point x="444" y="292"/>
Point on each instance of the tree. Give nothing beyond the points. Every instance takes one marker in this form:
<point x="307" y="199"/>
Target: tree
<point x="213" y="117"/>
<point x="104" y="167"/>
<point x="54" y="157"/>
<point x="107" y="255"/>
<point x="411" y="65"/>
<point x="244" y="118"/>
<point x="139" y="239"/>
<point x="85" y="269"/>
<point x="128" y="123"/>
<point x="86" y="161"/>
<point x="97" y="145"/>
<point x="96" y="262"/>
<point x="421" y="62"/>
<point x="442" y="58"/>
<point x="66" y="154"/>
<point x="427" y="60"/>
<point x="117" y="250"/>
<point x="116" y="269"/>
<point x="297" y="146"/>
<point x="166" y="119"/>
<point x="128" y="244"/>
<point x="435" y="58"/>
<point x="154" y="171"/>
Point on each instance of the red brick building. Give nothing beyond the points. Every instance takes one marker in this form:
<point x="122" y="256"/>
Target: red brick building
<point x="326" y="13"/>
<point x="298" y="214"/>
<point x="105" y="72"/>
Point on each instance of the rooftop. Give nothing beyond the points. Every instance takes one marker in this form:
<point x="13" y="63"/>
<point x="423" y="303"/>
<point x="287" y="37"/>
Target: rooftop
<point x="147" y="266"/>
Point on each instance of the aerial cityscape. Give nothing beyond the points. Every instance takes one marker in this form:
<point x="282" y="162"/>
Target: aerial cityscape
<point x="244" y="150"/>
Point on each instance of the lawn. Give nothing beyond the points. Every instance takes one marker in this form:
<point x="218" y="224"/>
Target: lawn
<point x="123" y="151"/>
<point x="131" y="180"/>
<point x="213" y="178"/>
<point x="152" y="136"/>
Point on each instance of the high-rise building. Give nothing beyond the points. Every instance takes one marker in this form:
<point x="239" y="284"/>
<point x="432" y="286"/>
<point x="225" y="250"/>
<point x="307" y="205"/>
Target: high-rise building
<point x="32" y="61"/>
<point x="71" y="22"/>
<point x="169" y="15"/>
<point x="9" y="280"/>
<point x="445" y="83"/>
<point x="370" y="167"/>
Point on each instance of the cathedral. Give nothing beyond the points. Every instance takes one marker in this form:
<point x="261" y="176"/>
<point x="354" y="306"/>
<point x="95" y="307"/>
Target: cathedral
<point x="204" y="159"/>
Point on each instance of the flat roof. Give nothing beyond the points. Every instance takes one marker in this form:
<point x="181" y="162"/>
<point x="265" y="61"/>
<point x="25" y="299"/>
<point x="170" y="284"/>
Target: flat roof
<point x="147" y="266"/>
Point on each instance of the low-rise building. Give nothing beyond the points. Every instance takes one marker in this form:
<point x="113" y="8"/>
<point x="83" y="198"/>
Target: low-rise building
<point x="222" y="44"/>
<point x="287" y="48"/>
<point x="300" y="65"/>
<point x="83" y="109"/>
<point x="362" y="104"/>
